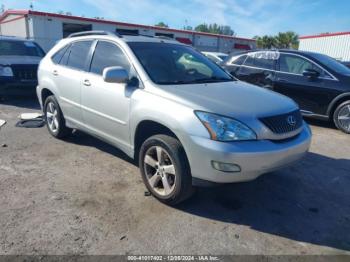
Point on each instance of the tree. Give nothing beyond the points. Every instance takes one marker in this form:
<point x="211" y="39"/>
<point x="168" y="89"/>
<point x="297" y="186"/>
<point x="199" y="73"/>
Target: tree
<point x="162" y="24"/>
<point x="188" y="28"/>
<point x="282" y="40"/>
<point x="287" y="40"/>
<point x="266" y="42"/>
<point x="214" y="29"/>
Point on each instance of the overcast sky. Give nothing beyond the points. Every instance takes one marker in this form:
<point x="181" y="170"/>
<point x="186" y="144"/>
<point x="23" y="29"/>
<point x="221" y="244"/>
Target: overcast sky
<point x="246" y="17"/>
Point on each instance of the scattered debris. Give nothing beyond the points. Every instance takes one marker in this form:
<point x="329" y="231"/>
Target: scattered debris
<point x="2" y="122"/>
<point x="123" y="237"/>
<point x="236" y="236"/>
<point x="34" y="123"/>
<point x="147" y="193"/>
<point x="77" y="238"/>
<point x="31" y="120"/>
<point x="30" y="116"/>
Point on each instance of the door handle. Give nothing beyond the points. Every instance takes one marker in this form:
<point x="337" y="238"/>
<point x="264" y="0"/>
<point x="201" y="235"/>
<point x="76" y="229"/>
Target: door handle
<point x="86" y="82"/>
<point x="55" y="73"/>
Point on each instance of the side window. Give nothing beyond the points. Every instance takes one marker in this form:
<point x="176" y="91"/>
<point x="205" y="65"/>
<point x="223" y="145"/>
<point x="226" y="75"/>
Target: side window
<point x="296" y="65"/>
<point x="65" y="57"/>
<point x="78" y="53"/>
<point x="265" y="63"/>
<point x="249" y="61"/>
<point x="239" y="60"/>
<point x="56" y="58"/>
<point x="260" y="60"/>
<point x="106" y="55"/>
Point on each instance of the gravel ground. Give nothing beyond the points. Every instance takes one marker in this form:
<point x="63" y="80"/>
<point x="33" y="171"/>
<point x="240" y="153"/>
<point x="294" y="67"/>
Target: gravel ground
<point x="82" y="196"/>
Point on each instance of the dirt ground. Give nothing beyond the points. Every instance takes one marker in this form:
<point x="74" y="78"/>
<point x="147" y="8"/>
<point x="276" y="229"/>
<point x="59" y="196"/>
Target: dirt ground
<point x="82" y="196"/>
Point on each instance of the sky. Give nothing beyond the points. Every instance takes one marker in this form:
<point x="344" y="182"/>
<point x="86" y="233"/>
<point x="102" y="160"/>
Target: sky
<point x="246" y="17"/>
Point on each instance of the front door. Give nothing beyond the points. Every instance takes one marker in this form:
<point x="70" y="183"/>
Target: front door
<point x="309" y="93"/>
<point x="105" y="106"/>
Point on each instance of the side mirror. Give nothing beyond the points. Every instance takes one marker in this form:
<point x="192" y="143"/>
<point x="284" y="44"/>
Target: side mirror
<point x="310" y="73"/>
<point x="115" y="74"/>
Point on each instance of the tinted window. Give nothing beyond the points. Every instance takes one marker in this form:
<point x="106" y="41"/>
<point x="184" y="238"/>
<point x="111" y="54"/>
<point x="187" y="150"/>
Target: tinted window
<point x="106" y="55"/>
<point x="65" y="57"/>
<point x="168" y="64"/>
<point x="296" y="64"/>
<point x="78" y="53"/>
<point x="239" y="60"/>
<point x="20" y="48"/>
<point x="56" y="58"/>
<point x="332" y="64"/>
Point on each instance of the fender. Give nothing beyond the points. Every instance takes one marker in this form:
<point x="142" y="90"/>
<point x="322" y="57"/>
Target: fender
<point x="335" y="101"/>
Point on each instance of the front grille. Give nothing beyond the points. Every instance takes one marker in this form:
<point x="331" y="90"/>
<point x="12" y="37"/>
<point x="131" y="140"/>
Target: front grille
<point x="285" y="123"/>
<point x="25" y="72"/>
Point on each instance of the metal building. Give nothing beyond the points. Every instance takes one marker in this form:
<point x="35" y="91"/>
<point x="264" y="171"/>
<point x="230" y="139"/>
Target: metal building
<point x="47" y="28"/>
<point x="336" y="45"/>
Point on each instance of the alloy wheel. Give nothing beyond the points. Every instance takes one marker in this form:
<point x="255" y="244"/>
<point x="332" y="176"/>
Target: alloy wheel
<point x="160" y="170"/>
<point x="344" y="117"/>
<point x="52" y="118"/>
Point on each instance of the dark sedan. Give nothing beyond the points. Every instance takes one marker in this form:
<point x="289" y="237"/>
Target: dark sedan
<point x="318" y="83"/>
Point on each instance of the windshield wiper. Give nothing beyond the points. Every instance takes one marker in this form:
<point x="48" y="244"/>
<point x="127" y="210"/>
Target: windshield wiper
<point x="211" y="80"/>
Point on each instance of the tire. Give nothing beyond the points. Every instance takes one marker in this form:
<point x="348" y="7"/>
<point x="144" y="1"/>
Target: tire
<point x="54" y="118"/>
<point x="341" y="117"/>
<point x="172" y="169"/>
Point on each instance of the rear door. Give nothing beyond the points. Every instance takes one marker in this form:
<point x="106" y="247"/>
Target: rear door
<point x="233" y="64"/>
<point x="68" y="75"/>
<point x="105" y="105"/>
<point x="258" y="69"/>
<point x="312" y="95"/>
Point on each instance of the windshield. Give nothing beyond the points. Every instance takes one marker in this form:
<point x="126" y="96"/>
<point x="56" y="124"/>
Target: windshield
<point x="332" y="64"/>
<point x="177" y="64"/>
<point x="20" y="48"/>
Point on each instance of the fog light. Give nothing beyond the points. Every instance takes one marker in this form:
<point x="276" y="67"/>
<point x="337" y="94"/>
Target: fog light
<point x="225" y="167"/>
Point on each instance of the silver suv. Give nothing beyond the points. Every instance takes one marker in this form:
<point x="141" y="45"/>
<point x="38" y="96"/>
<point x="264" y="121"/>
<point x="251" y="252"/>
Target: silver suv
<point x="184" y="119"/>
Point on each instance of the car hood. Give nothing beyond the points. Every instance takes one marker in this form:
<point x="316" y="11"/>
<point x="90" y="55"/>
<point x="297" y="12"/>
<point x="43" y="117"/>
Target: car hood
<point x="19" y="60"/>
<point x="235" y="99"/>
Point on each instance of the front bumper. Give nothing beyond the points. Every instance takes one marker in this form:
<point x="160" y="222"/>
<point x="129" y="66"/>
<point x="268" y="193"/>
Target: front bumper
<point x="254" y="157"/>
<point x="12" y="86"/>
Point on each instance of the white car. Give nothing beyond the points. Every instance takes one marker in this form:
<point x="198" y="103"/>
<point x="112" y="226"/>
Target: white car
<point x="216" y="56"/>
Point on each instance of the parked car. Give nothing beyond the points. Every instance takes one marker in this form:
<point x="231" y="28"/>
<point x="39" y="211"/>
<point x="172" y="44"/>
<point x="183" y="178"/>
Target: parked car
<point x="318" y="83"/>
<point x="216" y="56"/>
<point x="19" y="60"/>
<point x="185" y="127"/>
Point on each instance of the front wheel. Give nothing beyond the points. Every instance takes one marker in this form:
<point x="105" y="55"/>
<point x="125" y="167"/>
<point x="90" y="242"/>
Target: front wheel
<point x="165" y="170"/>
<point x="342" y="117"/>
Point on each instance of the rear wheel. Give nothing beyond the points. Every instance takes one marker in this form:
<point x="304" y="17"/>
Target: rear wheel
<point x="54" y="118"/>
<point x="342" y="117"/>
<point x="165" y="170"/>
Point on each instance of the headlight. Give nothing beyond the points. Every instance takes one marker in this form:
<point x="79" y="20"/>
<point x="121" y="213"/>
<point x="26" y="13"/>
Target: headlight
<point x="6" y="71"/>
<point x="225" y="129"/>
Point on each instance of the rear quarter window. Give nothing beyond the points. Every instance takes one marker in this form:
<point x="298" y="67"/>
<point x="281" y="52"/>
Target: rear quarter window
<point x="56" y="58"/>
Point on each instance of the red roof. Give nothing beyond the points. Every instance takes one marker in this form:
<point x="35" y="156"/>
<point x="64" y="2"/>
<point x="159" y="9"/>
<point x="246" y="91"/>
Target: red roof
<point x="30" y="12"/>
<point x="324" y="35"/>
<point x="184" y="40"/>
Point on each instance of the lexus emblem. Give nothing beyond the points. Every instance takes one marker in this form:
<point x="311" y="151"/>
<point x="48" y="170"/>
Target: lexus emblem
<point x="291" y="120"/>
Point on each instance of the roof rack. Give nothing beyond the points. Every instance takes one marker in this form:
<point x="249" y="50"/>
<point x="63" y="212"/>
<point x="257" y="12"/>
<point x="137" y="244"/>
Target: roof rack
<point x="86" y="33"/>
